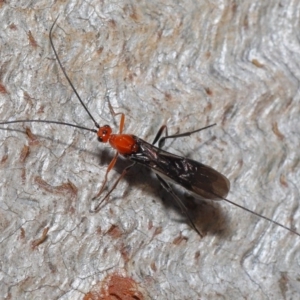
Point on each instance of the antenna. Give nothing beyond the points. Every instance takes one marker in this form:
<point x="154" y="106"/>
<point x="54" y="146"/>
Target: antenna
<point x="66" y="75"/>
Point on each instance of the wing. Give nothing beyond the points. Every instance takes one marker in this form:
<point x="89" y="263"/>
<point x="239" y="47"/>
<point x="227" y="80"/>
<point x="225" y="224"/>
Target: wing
<point x="197" y="178"/>
<point x="206" y="181"/>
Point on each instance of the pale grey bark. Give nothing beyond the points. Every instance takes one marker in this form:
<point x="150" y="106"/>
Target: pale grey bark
<point x="184" y="63"/>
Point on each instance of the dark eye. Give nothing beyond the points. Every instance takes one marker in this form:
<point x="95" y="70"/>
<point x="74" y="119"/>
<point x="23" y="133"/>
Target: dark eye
<point x="104" y="132"/>
<point x="106" y="126"/>
<point x="100" y="139"/>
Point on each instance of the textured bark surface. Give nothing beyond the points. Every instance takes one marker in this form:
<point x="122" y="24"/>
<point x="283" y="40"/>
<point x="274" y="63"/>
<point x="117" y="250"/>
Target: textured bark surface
<point x="184" y="63"/>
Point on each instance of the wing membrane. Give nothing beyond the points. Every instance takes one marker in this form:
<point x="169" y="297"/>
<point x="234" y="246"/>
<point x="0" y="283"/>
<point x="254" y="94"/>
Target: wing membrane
<point x="197" y="178"/>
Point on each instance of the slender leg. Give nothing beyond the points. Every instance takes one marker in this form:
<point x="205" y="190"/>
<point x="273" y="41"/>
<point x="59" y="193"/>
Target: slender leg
<point x="110" y="166"/>
<point x="114" y="114"/>
<point x="159" y="133"/>
<point x="125" y="171"/>
<point x="162" y="140"/>
<point x="114" y="160"/>
<point x="183" y="208"/>
<point x="164" y="184"/>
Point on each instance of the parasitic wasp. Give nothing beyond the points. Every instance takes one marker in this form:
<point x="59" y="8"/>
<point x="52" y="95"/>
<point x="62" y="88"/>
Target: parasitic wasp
<point x="197" y="178"/>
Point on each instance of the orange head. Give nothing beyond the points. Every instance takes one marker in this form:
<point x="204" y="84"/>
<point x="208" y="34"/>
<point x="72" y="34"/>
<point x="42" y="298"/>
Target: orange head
<point x="104" y="133"/>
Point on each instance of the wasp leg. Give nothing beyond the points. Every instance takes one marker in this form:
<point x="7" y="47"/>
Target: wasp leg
<point x="114" y="114"/>
<point x="161" y="141"/>
<point x="110" y="166"/>
<point x="159" y="133"/>
<point x="183" y="208"/>
<point x="125" y="171"/>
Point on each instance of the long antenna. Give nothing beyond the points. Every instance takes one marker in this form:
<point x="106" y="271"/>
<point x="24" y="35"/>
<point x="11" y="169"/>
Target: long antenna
<point x="73" y="88"/>
<point x="66" y="75"/>
<point x="49" y="122"/>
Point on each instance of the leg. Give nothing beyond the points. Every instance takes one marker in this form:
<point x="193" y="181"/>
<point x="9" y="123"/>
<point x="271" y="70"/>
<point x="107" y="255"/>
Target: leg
<point x="110" y="166"/>
<point x="184" y="210"/>
<point x="125" y="171"/>
<point x="122" y="121"/>
<point x="162" y="140"/>
<point x="114" y="160"/>
<point x="159" y="133"/>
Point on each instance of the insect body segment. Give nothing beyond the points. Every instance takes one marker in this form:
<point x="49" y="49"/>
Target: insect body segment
<point x="125" y="144"/>
<point x="104" y="133"/>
